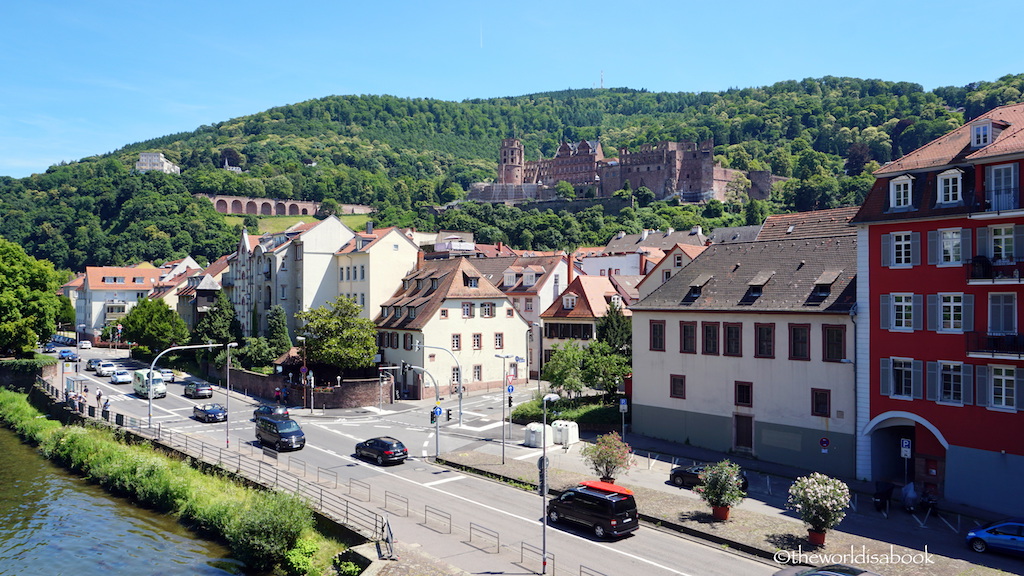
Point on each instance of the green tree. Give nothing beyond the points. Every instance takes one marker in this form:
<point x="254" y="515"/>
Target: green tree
<point x="152" y="323"/>
<point x="277" y="331"/>
<point x="256" y="352"/>
<point x="29" y="304"/>
<point x="608" y="456"/>
<point x="603" y="368"/>
<point x="644" y="196"/>
<point x="564" y="190"/>
<point x="565" y="368"/>
<point x="616" y="330"/>
<point x="219" y="325"/>
<point x="755" y="212"/>
<point x="336" y="335"/>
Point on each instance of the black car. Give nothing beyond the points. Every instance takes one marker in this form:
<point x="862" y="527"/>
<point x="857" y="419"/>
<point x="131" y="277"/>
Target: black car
<point x="269" y="410"/>
<point x="92" y="363"/>
<point x="383" y="449"/>
<point x="49" y="347"/>
<point x="604" y="508"/>
<point x="210" y="413"/>
<point x="689" y="476"/>
<point x="279" y="432"/>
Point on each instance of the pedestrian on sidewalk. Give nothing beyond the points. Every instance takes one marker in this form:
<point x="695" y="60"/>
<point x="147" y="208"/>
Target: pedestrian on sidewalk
<point x="106" y="405"/>
<point x="99" y="396"/>
<point x="284" y="396"/>
<point x="277" y="395"/>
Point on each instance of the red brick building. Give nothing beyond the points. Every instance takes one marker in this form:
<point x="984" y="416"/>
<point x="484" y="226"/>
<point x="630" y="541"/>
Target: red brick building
<point x="939" y="348"/>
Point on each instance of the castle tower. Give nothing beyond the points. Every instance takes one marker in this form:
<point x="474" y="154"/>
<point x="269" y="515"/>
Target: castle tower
<point x="511" y="163"/>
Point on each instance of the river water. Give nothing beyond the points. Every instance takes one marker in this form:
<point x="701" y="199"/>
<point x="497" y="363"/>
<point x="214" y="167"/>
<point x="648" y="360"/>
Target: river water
<point x="52" y="523"/>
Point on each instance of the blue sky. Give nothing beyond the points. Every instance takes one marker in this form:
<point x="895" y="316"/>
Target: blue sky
<point x="84" y="78"/>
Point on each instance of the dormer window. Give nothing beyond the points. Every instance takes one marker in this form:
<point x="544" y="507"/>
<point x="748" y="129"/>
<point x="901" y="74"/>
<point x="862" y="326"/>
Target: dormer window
<point x="616" y="300"/>
<point x="950" y="184"/>
<point x="419" y="284"/>
<point x="433" y="283"/>
<point x="697" y="286"/>
<point x="756" y="284"/>
<point x="900" y="192"/>
<point x="981" y="134"/>
<point x="823" y="285"/>
<point x="472" y="282"/>
<point x="411" y="311"/>
<point x="569" y="301"/>
<point x="529" y="278"/>
<point x="510" y="278"/>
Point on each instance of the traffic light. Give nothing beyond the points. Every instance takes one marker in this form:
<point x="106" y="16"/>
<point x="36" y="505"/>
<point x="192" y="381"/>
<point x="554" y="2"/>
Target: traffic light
<point x="404" y="366"/>
<point x="509" y="400"/>
<point x="433" y="417"/>
<point x="448" y="415"/>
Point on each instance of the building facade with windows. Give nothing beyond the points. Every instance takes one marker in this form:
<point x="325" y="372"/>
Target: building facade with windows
<point x="575" y="313"/>
<point x="941" y="239"/>
<point x="467" y="329"/>
<point x="372" y="264"/>
<point x="107" y="293"/>
<point x="749" y="349"/>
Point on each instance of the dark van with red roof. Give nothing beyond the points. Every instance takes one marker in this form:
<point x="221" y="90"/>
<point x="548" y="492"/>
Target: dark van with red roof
<point x="606" y="509"/>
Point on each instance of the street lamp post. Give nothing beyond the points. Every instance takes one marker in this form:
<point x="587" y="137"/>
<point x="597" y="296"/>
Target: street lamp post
<point x="529" y="338"/>
<point x="416" y="347"/>
<point x="436" y="410"/>
<point x="504" y="383"/>
<point x="543" y="467"/>
<point x="152" y="367"/>
<point x="305" y="384"/>
<point x="227" y="396"/>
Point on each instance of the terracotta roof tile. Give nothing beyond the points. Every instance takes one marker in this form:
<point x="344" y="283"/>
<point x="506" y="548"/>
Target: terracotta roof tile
<point x="817" y="223"/>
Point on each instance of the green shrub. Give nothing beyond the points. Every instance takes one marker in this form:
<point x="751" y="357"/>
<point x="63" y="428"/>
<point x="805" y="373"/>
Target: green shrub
<point x="346" y="567"/>
<point x="299" y="560"/>
<point x="269" y="526"/>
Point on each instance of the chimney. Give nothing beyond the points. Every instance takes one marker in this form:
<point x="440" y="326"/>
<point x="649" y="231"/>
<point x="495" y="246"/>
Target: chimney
<point x="670" y="231"/>
<point x="643" y="236"/>
<point x="620" y="235"/>
<point x="501" y="247"/>
<point x="369" y="226"/>
<point x="572" y="266"/>
<point x="419" y="259"/>
<point x="696" y="230"/>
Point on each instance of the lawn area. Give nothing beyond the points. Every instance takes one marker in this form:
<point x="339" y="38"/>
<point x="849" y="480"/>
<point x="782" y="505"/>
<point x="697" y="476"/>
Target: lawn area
<point x="271" y="224"/>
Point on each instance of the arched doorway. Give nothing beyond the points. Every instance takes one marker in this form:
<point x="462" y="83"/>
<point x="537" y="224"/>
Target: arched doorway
<point x="906" y="447"/>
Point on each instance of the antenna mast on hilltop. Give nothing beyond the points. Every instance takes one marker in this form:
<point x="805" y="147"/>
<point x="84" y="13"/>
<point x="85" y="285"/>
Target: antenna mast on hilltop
<point x="602" y="79"/>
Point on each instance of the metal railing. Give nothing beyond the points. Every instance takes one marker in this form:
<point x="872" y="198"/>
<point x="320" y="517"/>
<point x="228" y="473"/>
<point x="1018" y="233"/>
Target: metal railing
<point x="983" y="342"/>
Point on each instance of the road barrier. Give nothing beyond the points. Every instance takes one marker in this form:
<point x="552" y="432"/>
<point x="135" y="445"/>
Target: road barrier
<point x="487" y="533"/>
<point x="443" y="518"/>
<point x="402" y="501"/>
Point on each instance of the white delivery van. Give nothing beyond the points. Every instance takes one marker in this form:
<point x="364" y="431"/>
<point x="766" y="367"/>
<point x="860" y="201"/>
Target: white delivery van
<point x="140" y="383"/>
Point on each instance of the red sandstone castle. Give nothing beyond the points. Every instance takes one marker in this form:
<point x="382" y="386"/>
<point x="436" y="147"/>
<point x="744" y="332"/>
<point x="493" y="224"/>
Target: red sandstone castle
<point x="686" y="170"/>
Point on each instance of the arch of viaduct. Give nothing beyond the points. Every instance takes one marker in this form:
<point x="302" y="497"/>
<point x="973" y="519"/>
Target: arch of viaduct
<point x="273" y="207"/>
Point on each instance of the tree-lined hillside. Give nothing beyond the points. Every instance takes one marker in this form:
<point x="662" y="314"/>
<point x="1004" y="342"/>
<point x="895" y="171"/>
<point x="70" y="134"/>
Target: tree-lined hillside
<point x="401" y="154"/>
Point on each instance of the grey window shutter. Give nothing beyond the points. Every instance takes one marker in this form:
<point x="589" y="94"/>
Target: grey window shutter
<point x="886" y="250"/>
<point x="968" y="313"/>
<point x="932" y="385"/>
<point x="1018" y="393"/>
<point x="933" y="247"/>
<point x="981" y="386"/>
<point x="1018" y="243"/>
<point x="933" y="312"/>
<point x="916" y="377"/>
<point x="918" y="312"/>
<point x="885" y="378"/>
<point x="965" y="245"/>
<point x="915" y="248"/>
<point x="983" y="249"/>
<point x="884" y="313"/>
<point x="967" y="377"/>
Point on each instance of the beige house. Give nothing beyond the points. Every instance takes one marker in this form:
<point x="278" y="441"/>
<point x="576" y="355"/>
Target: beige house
<point x="449" y="320"/>
<point x="372" y="264"/>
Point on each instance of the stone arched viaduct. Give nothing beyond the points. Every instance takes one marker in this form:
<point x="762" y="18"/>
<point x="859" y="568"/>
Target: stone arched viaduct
<point x="272" y="206"/>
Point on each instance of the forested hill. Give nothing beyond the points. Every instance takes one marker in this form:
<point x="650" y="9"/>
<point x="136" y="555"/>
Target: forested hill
<point x="398" y="154"/>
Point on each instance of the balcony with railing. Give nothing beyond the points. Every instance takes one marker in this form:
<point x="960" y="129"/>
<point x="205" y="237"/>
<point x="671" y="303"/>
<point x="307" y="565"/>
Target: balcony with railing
<point x="995" y="345"/>
<point x="1002" y="199"/>
<point x="983" y="270"/>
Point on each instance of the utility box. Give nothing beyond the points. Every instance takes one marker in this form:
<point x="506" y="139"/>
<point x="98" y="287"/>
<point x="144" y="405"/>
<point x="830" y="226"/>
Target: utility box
<point x="566" y="432"/>
<point x="535" y="435"/>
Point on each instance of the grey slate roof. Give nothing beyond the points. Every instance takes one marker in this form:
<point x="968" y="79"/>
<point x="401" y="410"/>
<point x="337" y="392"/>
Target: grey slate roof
<point x="725" y="277"/>
<point x="735" y="234"/>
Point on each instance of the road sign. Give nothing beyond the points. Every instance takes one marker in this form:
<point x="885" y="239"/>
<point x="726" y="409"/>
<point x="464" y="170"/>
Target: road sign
<point x="824" y="442"/>
<point x="905" y="447"/>
<point x="303" y="369"/>
<point x="510" y="388"/>
<point x="623" y="407"/>
<point x="437" y="410"/>
<point x="542" y="463"/>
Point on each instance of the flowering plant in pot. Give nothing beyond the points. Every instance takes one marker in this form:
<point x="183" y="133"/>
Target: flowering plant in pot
<point x="720" y="487"/>
<point x="821" y="502"/>
<point x="608" y="456"/>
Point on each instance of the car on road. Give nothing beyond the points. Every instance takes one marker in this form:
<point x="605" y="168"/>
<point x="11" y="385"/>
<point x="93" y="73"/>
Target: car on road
<point x="383" y="450"/>
<point x="106" y="368"/>
<point x="689" y="476"/>
<point x="121" y="376"/>
<point x="67" y="354"/>
<point x="606" y="509"/>
<point x="84" y="345"/>
<point x="49" y="347"/>
<point x="269" y="410"/>
<point x="209" y="413"/>
<point x="279" y="432"/>
<point x="1004" y="535"/>
<point x="830" y="570"/>
<point x="167" y="373"/>
<point x="199" y="390"/>
<point x="92" y="363"/>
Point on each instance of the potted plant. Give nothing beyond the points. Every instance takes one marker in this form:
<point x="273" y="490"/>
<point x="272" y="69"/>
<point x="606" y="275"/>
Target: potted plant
<point x="821" y="502"/>
<point x="608" y="456"/>
<point x="720" y="487"/>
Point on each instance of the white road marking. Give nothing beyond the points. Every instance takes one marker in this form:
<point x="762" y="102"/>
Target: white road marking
<point x="529" y="455"/>
<point x="484" y="427"/>
<point x="443" y="480"/>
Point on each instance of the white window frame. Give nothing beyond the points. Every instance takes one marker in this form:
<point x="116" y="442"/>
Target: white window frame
<point x="950" y="187"/>
<point x="901" y="192"/>
<point x="950" y="240"/>
<point x="902" y="249"/>
<point x="568" y="302"/>
<point x="902" y="311"/>
<point x="1003" y="380"/>
<point x="1002" y="243"/>
<point x="951" y="312"/>
<point x="981" y="134"/>
<point x="951" y="383"/>
<point x="896" y="391"/>
<point x="510" y="279"/>
<point x="468" y="309"/>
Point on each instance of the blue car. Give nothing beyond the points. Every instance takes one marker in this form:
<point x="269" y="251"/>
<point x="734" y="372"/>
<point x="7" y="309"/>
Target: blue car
<point x="67" y="354"/>
<point x="1006" y="535"/>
